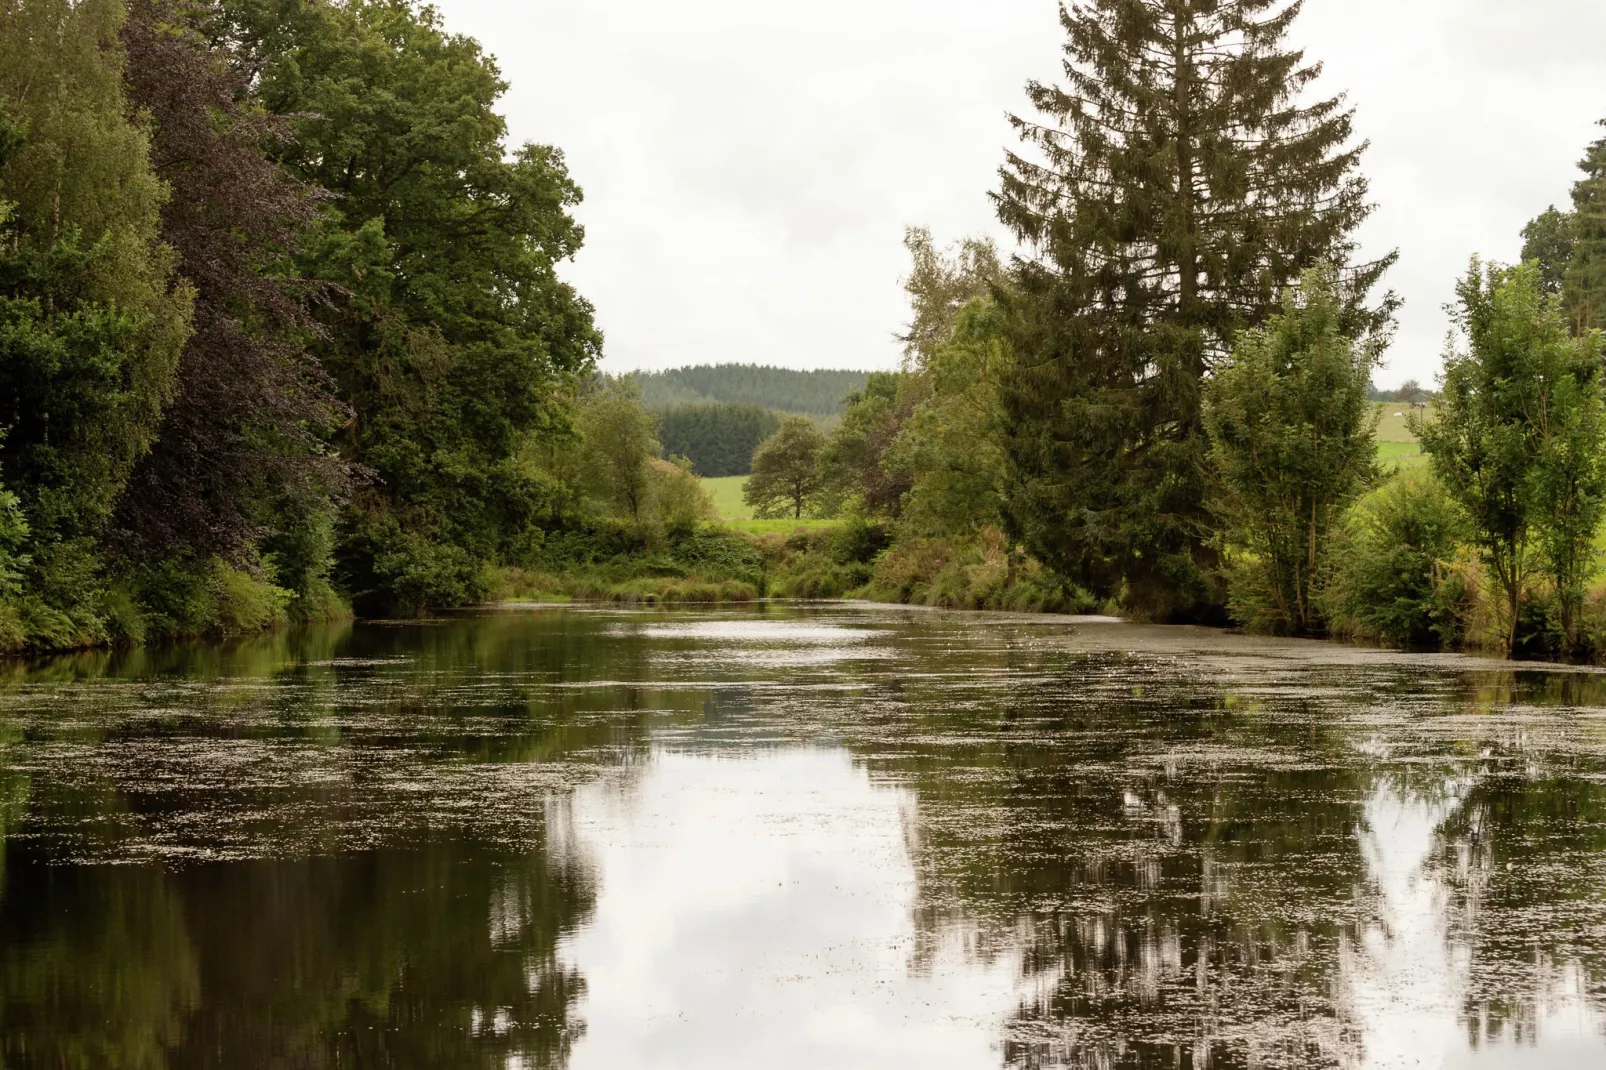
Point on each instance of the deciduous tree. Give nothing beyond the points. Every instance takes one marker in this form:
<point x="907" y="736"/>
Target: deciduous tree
<point x="618" y="439"/>
<point x="950" y="442"/>
<point x="1292" y="443"/>
<point x="1517" y="437"/>
<point x="858" y="462"/>
<point x="455" y="339"/>
<point x="786" y="477"/>
<point x="92" y="317"/>
<point x="1548" y="241"/>
<point x="241" y="452"/>
<point x="939" y="284"/>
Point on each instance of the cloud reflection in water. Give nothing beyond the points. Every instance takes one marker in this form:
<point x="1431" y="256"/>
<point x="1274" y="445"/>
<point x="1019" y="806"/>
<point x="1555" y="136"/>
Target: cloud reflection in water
<point x="759" y="912"/>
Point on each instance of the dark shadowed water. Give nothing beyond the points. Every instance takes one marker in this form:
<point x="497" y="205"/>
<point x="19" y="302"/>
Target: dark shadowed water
<point x="799" y="839"/>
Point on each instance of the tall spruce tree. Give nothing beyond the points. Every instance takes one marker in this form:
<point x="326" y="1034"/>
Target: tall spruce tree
<point x="1584" y="286"/>
<point x="1170" y="189"/>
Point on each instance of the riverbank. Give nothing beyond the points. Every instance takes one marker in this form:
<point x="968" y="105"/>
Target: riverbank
<point x="721" y="563"/>
<point x="813" y="561"/>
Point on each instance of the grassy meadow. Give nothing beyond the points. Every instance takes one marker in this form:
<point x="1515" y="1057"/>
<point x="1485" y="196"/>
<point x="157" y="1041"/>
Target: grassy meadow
<point x="1396" y="445"/>
<point x="727" y="494"/>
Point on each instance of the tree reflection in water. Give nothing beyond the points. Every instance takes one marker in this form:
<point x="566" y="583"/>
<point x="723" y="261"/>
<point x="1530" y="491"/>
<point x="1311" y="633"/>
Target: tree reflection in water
<point x="583" y="837"/>
<point x="425" y="958"/>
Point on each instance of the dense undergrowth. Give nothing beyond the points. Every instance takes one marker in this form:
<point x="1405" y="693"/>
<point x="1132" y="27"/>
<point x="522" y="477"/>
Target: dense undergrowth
<point x="619" y="563"/>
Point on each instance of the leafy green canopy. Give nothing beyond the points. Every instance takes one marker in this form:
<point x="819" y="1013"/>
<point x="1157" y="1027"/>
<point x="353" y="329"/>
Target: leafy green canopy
<point x="455" y="338"/>
<point x="1548" y="241"/>
<point x="858" y="464"/>
<point x="617" y="440"/>
<point x="1171" y="189"/>
<point x="1519" y="437"/>
<point x="1292" y="443"/>
<point x="940" y="284"/>
<point x="91" y="320"/>
<point x="786" y="479"/>
<point x="949" y="444"/>
<point x="241" y="452"/>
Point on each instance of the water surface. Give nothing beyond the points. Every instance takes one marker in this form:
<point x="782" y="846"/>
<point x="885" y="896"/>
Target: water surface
<point x="845" y="837"/>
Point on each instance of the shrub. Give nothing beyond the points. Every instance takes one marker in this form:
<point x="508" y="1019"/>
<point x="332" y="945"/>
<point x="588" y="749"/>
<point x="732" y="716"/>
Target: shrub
<point x="243" y="603"/>
<point x="816" y="577"/>
<point x="680" y="502"/>
<point x="859" y="540"/>
<point x="982" y="572"/>
<point x="1396" y="573"/>
<point x="300" y="558"/>
<point x="389" y="570"/>
<point x="184" y="598"/>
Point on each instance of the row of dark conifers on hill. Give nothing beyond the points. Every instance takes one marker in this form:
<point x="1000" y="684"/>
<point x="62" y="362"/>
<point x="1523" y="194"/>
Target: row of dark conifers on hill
<point x="717" y="415"/>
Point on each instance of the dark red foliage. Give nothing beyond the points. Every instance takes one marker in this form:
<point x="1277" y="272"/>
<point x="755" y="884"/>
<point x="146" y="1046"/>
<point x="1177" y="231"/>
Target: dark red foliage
<point x="246" y="429"/>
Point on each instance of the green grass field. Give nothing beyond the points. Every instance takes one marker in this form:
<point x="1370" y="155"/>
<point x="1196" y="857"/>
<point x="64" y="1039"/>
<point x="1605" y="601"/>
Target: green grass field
<point x="1395" y="444"/>
<point x="727" y="494"/>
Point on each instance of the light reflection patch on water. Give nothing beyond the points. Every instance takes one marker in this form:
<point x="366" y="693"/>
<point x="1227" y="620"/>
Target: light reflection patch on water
<point x="749" y="632"/>
<point x="1408" y="977"/>
<point x="758" y="912"/>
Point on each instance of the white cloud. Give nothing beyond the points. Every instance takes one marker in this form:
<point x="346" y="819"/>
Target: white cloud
<point x="749" y="166"/>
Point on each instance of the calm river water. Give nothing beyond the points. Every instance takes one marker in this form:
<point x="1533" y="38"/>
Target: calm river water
<point x="786" y="838"/>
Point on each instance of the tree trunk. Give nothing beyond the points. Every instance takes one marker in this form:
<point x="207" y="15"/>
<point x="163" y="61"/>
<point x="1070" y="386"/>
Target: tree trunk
<point x="1513" y="582"/>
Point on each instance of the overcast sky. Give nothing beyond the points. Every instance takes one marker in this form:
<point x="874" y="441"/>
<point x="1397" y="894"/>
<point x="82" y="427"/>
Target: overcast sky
<point x="749" y="165"/>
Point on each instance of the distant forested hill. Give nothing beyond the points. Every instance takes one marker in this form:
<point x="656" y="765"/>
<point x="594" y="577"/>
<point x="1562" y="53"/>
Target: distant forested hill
<point x="813" y="393"/>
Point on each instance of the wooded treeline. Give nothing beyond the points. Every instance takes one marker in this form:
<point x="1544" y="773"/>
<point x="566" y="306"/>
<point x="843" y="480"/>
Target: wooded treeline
<point x="815" y="392"/>
<point x="282" y="333"/>
<point x="1161" y="404"/>
<point x="280" y="318"/>
<point x="716" y="415"/>
<point x="718" y="440"/>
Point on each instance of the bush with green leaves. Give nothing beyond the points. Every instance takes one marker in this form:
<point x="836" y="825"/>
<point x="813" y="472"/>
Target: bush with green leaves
<point x="1392" y="576"/>
<point x="390" y="570"/>
<point x="679" y="501"/>
<point x="1291" y="443"/>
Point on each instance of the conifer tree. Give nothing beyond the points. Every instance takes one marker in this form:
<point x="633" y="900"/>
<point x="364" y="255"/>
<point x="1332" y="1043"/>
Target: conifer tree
<point x="1584" y="288"/>
<point x="1171" y="189"/>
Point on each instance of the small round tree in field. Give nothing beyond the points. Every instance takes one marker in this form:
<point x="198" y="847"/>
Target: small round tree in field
<point x="786" y="477"/>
